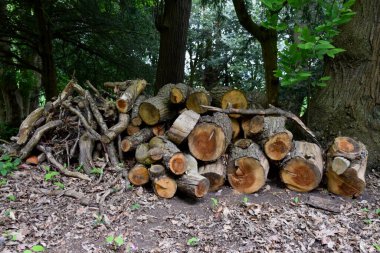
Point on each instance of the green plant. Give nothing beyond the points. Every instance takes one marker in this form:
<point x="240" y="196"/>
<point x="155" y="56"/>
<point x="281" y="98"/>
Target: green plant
<point x="368" y="221"/>
<point x="8" y="164"/>
<point x="79" y="168"/>
<point x="115" y="241"/>
<point x="96" y="171"/>
<point x="60" y="185"/>
<point x="296" y="200"/>
<point x="52" y="176"/>
<point x="377" y="211"/>
<point x="214" y="202"/>
<point x="245" y="200"/>
<point x="135" y="206"/>
<point x="377" y="246"/>
<point x="3" y="182"/>
<point x="365" y="209"/>
<point x="11" y="197"/>
<point x="193" y="241"/>
<point x="35" y="248"/>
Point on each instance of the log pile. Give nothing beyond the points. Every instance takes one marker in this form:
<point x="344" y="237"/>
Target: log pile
<point x="179" y="143"/>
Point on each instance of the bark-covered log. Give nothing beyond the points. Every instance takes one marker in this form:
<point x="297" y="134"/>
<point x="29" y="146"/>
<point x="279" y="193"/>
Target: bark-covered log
<point x="346" y="167"/>
<point x="173" y="158"/>
<point x="211" y="137"/>
<point x="132" y="130"/>
<point x="191" y="164"/>
<point x="159" y="129"/>
<point x="197" y="98"/>
<point x="247" y="169"/>
<point x="179" y="93"/>
<point x="182" y="126"/>
<point x="228" y="97"/>
<point x="252" y="125"/>
<point x="126" y="100"/>
<point x="86" y="147"/>
<point x="130" y="143"/>
<point x="215" y="172"/>
<point x="138" y="174"/>
<point x="142" y="154"/>
<point x="157" y="109"/>
<point x="235" y="128"/>
<point x="163" y="185"/>
<point x="118" y="85"/>
<point x="135" y="117"/>
<point x="302" y="168"/>
<point x="117" y="129"/>
<point x="193" y="185"/>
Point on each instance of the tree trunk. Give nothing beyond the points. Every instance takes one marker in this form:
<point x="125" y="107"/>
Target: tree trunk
<point x="172" y="22"/>
<point x="350" y="104"/>
<point x="48" y="74"/>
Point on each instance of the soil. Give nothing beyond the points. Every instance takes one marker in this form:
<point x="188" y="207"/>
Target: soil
<point x="271" y="220"/>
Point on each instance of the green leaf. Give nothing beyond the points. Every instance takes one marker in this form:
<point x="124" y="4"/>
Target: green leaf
<point x="349" y="3"/>
<point x="325" y="78"/>
<point x="11" y="197"/>
<point x="307" y="45"/>
<point x="38" y="248"/>
<point x="214" y="202"/>
<point x="109" y="239"/>
<point x="135" y="206"/>
<point x="304" y="74"/>
<point x="27" y="251"/>
<point x="377" y="211"/>
<point x="119" y="241"/>
<point x="296" y="200"/>
<point x="331" y="53"/>
<point x="59" y="185"/>
<point x="193" y="241"/>
<point x="365" y="209"/>
<point x="377" y="246"/>
<point x="368" y="221"/>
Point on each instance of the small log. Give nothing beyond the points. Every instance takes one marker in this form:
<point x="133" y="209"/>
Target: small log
<point x="302" y="168"/>
<point x="159" y="129"/>
<point x="157" y="109"/>
<point x="142" y="154"/>
<point x="228" y="97"/>
<point x="173" y="158"/>
<point x="125" y="102"/>
<point x="215" y="172"/>
<point x="138" y="175"/>
<point x="35" y="139"/>
<point x="135" y="117"/>
<point x="118" y="85"/>
<point x="211" y="137"/>
<point x="86" y="147"/>
<point x="163" y="185"/>
<point x="243" y="143"/>
<point x="130" y="143"/>
<point x="117" y="129"/>
<point x="182" y="126"/>
<point x="192" y="164"/>
<point x="346" y="167"/>
<point x="275" y="139"/>
<point x="247" y="169"/>
<point x="235" y="128"/>
<point x="197" y="98"/>
<point x="252" y="126"/>
<point x="193" y="185"/>
<point x="32" y="160"/>
<point x="179" y="93"/>
<point x="132" y="130"/>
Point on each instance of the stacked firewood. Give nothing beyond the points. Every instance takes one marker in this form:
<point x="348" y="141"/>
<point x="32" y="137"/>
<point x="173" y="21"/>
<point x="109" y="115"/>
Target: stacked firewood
<point x="179" y="142"/>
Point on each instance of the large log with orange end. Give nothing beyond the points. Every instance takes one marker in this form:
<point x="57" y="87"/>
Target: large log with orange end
<point x="247" y="168"/>
<point x="346" y="167"/>
<point x="302" y="168"/>
<point x="179" y="93"/>
<point x="163" y="185"/>
<point x="172" y="157"/>
<point x="193" y="185"/>
<point x="138" y="175"/>
<point x="182" y="126"/>
<point x="228" y="97"/>
<point x="276" y="141"/>
<point x="211" y="137"/>
<point x="157" y="109"/>
<point x="197" y="98"/>
<point x="127" y="99"/>
<point x="215" y="172"/>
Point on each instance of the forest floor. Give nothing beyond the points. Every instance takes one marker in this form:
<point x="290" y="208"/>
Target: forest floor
<point x="272" y="220"/>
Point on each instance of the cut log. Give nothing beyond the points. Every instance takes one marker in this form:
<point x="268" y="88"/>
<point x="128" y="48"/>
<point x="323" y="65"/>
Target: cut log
<point x="172" y="157"/>
<point x="243" y="143"/>
<point x="138" y="175"/>
<point x="86" y="147"/>
<point x="157" y="109"/>
<point x="179" y="93"/>
<point x="252" y="126"/>
<point x="346" y="167"/>
<point x="211" y="137"/>
<point x="158" y="130"/>
<point x="247" y="169"/>
<point x="192" y="164"/>
<point x="182" y="126"/>
<point x="302" y="168"/>
<point x="228" y="97"/>
<point x="118" y="85"/>
<point x="163" y="185"/>
<point x="135" y="117"/>
<point x="215" y="172"/>
<point x="275" y="139"/>
<point x="197" y="98"/>
<point x="131" y="129"/>
<point x="235" y="128"/>
<point x="32" y="160"/>
<point x="126" y="100"/>
<point x="193" y="185"/>
<point x="117" y="129"/>
<point x="142" y="154"/>
<point x="130" y="143"/>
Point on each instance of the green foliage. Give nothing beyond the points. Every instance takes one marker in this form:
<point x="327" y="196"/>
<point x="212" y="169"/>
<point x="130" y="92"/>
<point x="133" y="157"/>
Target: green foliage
<point x="376" y="246"/>
<point x="8" y="164"/>
<point x="96" y="171"/>
<point x="296" y="200"/>
<point x="135" y="206"/>
<point x="377" y="211"/>
<point x="52" y="176"/>
<point x="117" y="242"/>
<point x="193" y="241"/>
<point x="11" y="197"/>
<point x="214" y="202"/>
<point x="35" y="248"/>
<point x="3" y="182"/>
<point x="245" y="200"/>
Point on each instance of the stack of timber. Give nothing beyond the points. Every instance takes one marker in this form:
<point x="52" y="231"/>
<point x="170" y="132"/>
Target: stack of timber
<point x="177" y="142"/>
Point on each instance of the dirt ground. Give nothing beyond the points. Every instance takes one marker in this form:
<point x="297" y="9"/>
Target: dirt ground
<point x="272" y="220"/>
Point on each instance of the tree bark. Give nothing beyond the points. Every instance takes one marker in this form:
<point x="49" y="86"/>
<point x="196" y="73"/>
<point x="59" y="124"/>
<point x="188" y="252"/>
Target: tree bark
<point x="172" y="21"/>
<point x="350" y="104"/>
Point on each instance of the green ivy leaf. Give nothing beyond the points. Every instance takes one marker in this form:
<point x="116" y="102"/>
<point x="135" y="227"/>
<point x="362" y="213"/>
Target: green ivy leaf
<point x="38" y="248"/>
<point x="109" y="239"/>
<point x="119" y="241"/>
